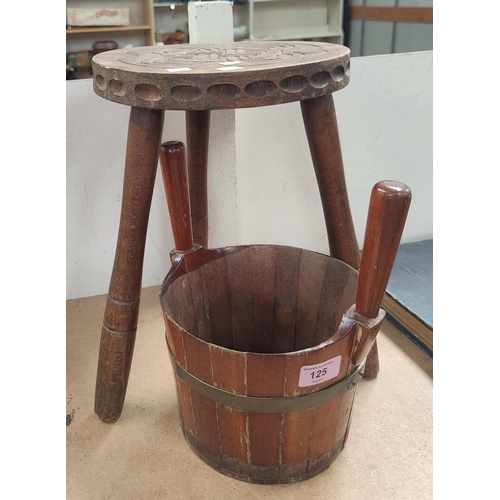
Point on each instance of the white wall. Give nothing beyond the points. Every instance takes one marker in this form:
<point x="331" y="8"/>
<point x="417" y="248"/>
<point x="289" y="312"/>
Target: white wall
<point x="385" y="124"/>
<point x="385" y="121"/>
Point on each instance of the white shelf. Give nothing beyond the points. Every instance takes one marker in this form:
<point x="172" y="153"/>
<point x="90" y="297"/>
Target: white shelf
<point x="295" y="19"/>
<point x="298" y="34"/>
<point x="168" y="4"/>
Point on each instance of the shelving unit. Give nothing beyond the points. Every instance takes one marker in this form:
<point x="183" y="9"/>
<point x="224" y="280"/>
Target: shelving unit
<point x="169" y="17"/>
<point x="296" y="20"/>
<point x="139" y="32"/>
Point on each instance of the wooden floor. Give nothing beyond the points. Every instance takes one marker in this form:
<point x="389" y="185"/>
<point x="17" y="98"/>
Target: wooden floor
<point x="388" y="455"/>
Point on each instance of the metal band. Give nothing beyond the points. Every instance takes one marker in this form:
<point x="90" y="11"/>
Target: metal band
<point x="268" y="405"/>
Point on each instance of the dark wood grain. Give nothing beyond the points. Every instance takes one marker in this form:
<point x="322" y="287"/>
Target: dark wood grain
<point x="198" y="132"/>
<point x="335" y="279"/>
<point x="265" y="377"/>
<point x="229" y="369"/>
<point x="229" y="373"/>
<point x="233" y="433"/>
<point x="185" y="305"/>
<point x="198" y="360"/>
<point x="122" y="309"/>
<point x="175" y="181"/>
<point x="219" y="302"/>
<point x="207" y="430"/>
<point x="240" y="282"/>
<point x="388" y="209"/>
<point x="287" y="275"/>
<point x="310" y="284"/>
<point x="372" y="365"/>
<point x="263" y="264"/>
<point x="324" y="142"/>
<point x="185" y="405"/>
<point x="200" y="305"/>
<point x="264" y="436"/>
<point x="326" y="421"/>
<point x="296" y="438"/>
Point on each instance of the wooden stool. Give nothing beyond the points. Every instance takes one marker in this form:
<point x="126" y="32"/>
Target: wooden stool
<point x="197" y="79"/>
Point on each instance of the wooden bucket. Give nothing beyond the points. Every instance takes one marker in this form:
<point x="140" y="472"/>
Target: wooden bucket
<point x="267" y="344"/>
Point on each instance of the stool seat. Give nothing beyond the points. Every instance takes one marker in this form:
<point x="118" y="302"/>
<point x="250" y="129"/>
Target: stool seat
<point x="220" y="76"/>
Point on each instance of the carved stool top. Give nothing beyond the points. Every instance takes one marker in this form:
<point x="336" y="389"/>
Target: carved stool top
<point x="220" y="76"/>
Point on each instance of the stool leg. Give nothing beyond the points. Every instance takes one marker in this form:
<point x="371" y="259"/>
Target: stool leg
<point x="320" y="122"/>
<point x="321" y="128"/>
<point x="197" y="131"/>
<point x="122" y="306"/>
<point x="372" y="364"/>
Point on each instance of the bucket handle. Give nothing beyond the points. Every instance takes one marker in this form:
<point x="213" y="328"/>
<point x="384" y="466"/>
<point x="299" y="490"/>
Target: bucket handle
<point x="389" y="205"/>
<point x="175" y="180"/>
<point x="388" y="209"/>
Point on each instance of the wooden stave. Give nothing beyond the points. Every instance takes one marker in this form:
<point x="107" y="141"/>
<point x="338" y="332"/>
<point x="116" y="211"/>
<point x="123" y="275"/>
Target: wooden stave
<point x="256" y="456"/>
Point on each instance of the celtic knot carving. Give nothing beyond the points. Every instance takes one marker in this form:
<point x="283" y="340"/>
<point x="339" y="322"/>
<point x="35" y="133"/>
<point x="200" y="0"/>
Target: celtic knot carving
<point x="204" y="57"/>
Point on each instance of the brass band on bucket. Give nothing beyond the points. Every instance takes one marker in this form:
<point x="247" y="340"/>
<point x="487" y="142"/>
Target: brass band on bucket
<point x="268" y="405"/>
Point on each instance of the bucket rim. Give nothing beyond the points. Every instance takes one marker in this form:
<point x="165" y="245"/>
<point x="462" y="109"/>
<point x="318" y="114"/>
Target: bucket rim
<point x="345" y="327"/>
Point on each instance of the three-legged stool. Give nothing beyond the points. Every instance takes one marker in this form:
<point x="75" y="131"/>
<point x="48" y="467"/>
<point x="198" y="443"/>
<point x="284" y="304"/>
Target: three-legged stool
<point x="197" y="79"/>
